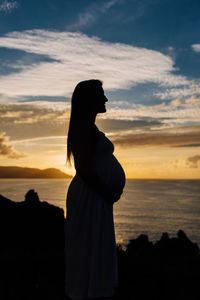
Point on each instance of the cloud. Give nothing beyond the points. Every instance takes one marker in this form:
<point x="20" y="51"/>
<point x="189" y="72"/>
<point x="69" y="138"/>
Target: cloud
<point x="178" y="111"/>
<point x="7" y="149"/>
<point x="91" y="14"/>
<point x="196" y="47"/>
<point x="107" y="5"/>
<point x="157" y="139"/>
<point x="192" y="90"/>
<point x="42" y="118"/>
<point x="32" y="120"/>
<point x="32" y="112"/>
<point x="170" y="48"/>
<point x="193" y="161"/>
<point x="189" y="145"/>
<point x="84" y="19"/>
<point x="78" y="57"/>
<point x="8" y="6"/>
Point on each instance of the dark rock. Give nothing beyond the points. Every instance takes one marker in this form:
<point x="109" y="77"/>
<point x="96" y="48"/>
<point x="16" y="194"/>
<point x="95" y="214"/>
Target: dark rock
<point x="32" y="249"/>
<point x="168" y="268"/>
<point x="31" y="197"/>
<point x="139" y="246"/>
<point x="186" y="246"/>
<point x="179" y="246"/>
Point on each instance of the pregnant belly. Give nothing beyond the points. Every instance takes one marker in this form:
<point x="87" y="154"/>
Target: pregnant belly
<point x="110" y="170"/>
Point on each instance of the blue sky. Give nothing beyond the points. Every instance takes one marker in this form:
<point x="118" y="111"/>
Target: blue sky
<point x="169" y="27"/>
<point x="146" y="52"/>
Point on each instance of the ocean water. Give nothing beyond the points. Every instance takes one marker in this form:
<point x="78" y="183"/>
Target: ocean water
<point x="146" y="206"/>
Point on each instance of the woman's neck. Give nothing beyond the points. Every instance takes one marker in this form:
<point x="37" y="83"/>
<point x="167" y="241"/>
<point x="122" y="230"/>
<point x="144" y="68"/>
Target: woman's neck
<point x="86" y="118"/>
<point x="91" y="119"/>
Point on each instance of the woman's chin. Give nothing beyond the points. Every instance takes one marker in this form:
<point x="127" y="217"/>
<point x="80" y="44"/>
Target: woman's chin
<point x="102" y="110"/>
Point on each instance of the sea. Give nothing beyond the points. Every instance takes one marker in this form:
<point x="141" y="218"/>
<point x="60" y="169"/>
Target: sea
<point x="146" y="207"/>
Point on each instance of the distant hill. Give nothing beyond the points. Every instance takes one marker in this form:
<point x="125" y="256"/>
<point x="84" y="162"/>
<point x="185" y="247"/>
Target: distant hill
<point x="18" y="172"/>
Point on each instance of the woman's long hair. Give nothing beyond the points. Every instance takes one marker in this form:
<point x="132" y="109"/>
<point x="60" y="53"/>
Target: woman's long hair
<point x="82" y="103"/>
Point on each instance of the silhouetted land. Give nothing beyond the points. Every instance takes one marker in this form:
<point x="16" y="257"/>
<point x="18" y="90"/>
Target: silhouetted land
<point x="18" y="172"/>
<point x="32" y="258"/>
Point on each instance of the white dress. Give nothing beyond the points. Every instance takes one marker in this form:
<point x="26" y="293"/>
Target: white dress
<point x="90" y="251"/>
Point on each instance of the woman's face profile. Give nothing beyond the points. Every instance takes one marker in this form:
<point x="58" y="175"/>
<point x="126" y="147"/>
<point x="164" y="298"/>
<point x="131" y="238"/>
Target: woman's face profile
<point x="100" y="100"/>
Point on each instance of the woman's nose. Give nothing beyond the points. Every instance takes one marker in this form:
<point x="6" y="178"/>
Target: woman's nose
<point x="106" y="99"/>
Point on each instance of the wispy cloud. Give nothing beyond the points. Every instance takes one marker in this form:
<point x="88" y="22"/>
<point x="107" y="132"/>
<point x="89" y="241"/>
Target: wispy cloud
<point x="8" y="6"/>
<point x="78" y="57"/>
<point x="84" y="19"/>
<point x="193" y="161"/>
<point x="108" y="4"/>
<point x="91" y="14"/>
<point x="140" y="9"/>
<point x="6" y="149"/>
<point x="189" y="90"/>
<point x="196" y="47"/>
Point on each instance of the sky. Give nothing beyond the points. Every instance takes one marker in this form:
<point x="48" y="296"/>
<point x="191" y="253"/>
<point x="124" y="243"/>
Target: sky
<point x="146" y="52"/>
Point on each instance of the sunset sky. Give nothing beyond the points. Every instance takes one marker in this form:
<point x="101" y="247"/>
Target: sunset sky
<point x="146" y="52"/>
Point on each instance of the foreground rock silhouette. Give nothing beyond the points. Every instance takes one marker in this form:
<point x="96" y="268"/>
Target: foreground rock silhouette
<point x="31" y="250"/>
<point x="166" y="269"/>
<point x="32" y="257"/>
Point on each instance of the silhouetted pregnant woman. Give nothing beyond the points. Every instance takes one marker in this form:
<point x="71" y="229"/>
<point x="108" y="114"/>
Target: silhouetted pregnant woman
<point x="91" y="265"/>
